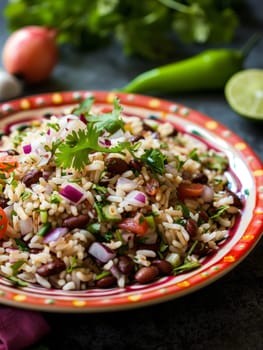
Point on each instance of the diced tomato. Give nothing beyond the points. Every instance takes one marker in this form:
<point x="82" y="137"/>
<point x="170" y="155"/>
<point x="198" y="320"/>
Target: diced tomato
<point x="8" y="163"/>
<point x="138" y="225"/>
<point x="3" y="223"/>
<point x="186" y="190"/>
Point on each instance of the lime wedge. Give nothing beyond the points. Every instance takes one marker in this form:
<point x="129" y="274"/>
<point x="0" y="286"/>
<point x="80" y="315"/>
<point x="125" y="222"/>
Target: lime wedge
<point x="244" y="93"/>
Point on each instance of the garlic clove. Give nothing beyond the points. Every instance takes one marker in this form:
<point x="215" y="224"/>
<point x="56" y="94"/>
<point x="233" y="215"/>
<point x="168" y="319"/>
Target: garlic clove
<point x="10" y="86"/>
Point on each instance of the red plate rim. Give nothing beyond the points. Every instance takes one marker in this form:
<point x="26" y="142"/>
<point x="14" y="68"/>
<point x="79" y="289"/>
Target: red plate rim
<point x="43" y="301"/>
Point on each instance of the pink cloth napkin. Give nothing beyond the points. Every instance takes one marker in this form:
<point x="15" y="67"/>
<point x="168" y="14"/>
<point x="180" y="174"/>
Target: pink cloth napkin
<point x="20" y="328"/>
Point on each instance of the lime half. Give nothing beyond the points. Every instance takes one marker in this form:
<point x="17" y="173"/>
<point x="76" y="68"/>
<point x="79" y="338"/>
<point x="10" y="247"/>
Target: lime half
<point x="244" y="93"/>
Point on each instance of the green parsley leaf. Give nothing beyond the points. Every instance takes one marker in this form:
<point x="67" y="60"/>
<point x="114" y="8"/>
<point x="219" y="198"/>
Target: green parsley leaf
<point x="193" y="154"/>
<point x="73" y="264"/>
<point x="100" y="189"/>
<point x="16" y="266"/>
<point x="108" y="236"/>
<point x="55" y="198"/>
<point x="54" y="126"/>
<point x="219" y="211"/>
<point x="74" y="152"/>
<point x="154" y="159"/>
<point x="133" y="23"/>
<point x="84" y="107"/>
<point x="110" y="122"/>
<point x="21" y="245"/>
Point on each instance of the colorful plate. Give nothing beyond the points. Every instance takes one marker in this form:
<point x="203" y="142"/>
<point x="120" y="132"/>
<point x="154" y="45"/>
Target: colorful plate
<point x="248" y="172"/>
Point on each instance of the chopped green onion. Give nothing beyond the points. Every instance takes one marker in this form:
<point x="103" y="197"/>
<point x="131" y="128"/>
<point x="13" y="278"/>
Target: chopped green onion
<point x="43" y="216"/>
<point x="25" y="195"/>
<point x="94" y="227"/>
<point x="44" y="229"/>
<point x="16" y="266"/>
<point x="188" y="266"/>
<point x="17" y="281"/>
<point x="102" y="275"/>
<point x="55" y="198"/>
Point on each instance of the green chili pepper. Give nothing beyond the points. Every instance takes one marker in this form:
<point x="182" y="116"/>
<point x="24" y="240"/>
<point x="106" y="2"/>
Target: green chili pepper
<point x="208" y="70"/>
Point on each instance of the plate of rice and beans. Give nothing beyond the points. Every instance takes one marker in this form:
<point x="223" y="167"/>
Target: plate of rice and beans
<point x="113" y="201"/>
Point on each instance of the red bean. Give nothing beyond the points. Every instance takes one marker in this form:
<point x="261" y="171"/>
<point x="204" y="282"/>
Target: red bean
<point x="116" y="165"/>
<point x="51" y="268"/>
<point x="146" y="274"/>
<point x="3" y="202"/>
<point x="32" y="177"/>
<point x="125" y="264"/>
<point x="201" y="179"/>
<point x="164" y="267"/>
<point x="191" y="227"/>
<point x="237" y="201"/>
<point x="76" y="221"/>
<point x="106" y="282"/>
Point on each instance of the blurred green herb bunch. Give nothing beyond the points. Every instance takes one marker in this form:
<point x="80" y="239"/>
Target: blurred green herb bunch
<point x="148" y="28"/>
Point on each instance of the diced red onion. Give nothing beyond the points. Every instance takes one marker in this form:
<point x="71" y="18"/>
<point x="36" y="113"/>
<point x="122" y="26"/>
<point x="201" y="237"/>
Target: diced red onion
<point x="126" y="184"/>
<point x="101" y="252"/>
<point x="136" y="198"/>
<point x="105" y="142"/>
<point x="128" y="236"/>
<point x="115" y="272"/>
<point x="27" y="149"/>
<point x="48" y="132"/>
<point x="207" y="194"/>
<point x="11" y="250"/>
<point x="83" y="119"/>
<point x="55" y="234"/>
<point x="8" y="210"/>
<point x="72" y="192"/>
<point x="26" y="226"/>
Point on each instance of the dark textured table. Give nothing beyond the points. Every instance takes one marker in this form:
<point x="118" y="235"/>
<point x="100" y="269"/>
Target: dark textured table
<point x="227" y="314"/>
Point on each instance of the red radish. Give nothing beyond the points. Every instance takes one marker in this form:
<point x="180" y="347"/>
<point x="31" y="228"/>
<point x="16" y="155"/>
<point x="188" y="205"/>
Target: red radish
<point x="31" y="53"/>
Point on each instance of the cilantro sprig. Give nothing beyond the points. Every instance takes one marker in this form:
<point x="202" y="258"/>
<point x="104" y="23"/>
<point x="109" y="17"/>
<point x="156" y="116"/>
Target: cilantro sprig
<point x="133" y="23"/>
<point x="154" y="159"/>
<point x="74" y="152"/>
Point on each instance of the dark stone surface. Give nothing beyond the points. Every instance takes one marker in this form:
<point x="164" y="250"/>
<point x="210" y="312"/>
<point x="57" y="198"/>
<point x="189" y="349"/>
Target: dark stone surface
<point x="227" y="314"/>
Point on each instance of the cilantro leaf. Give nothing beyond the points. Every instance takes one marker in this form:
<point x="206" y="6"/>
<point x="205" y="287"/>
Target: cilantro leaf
<point x="133" y="23"/>
<point x="154" y="159"/>
<point x="84" y="107"/>
<point x="110" y="122"/>
<point x="74" y="152"/>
